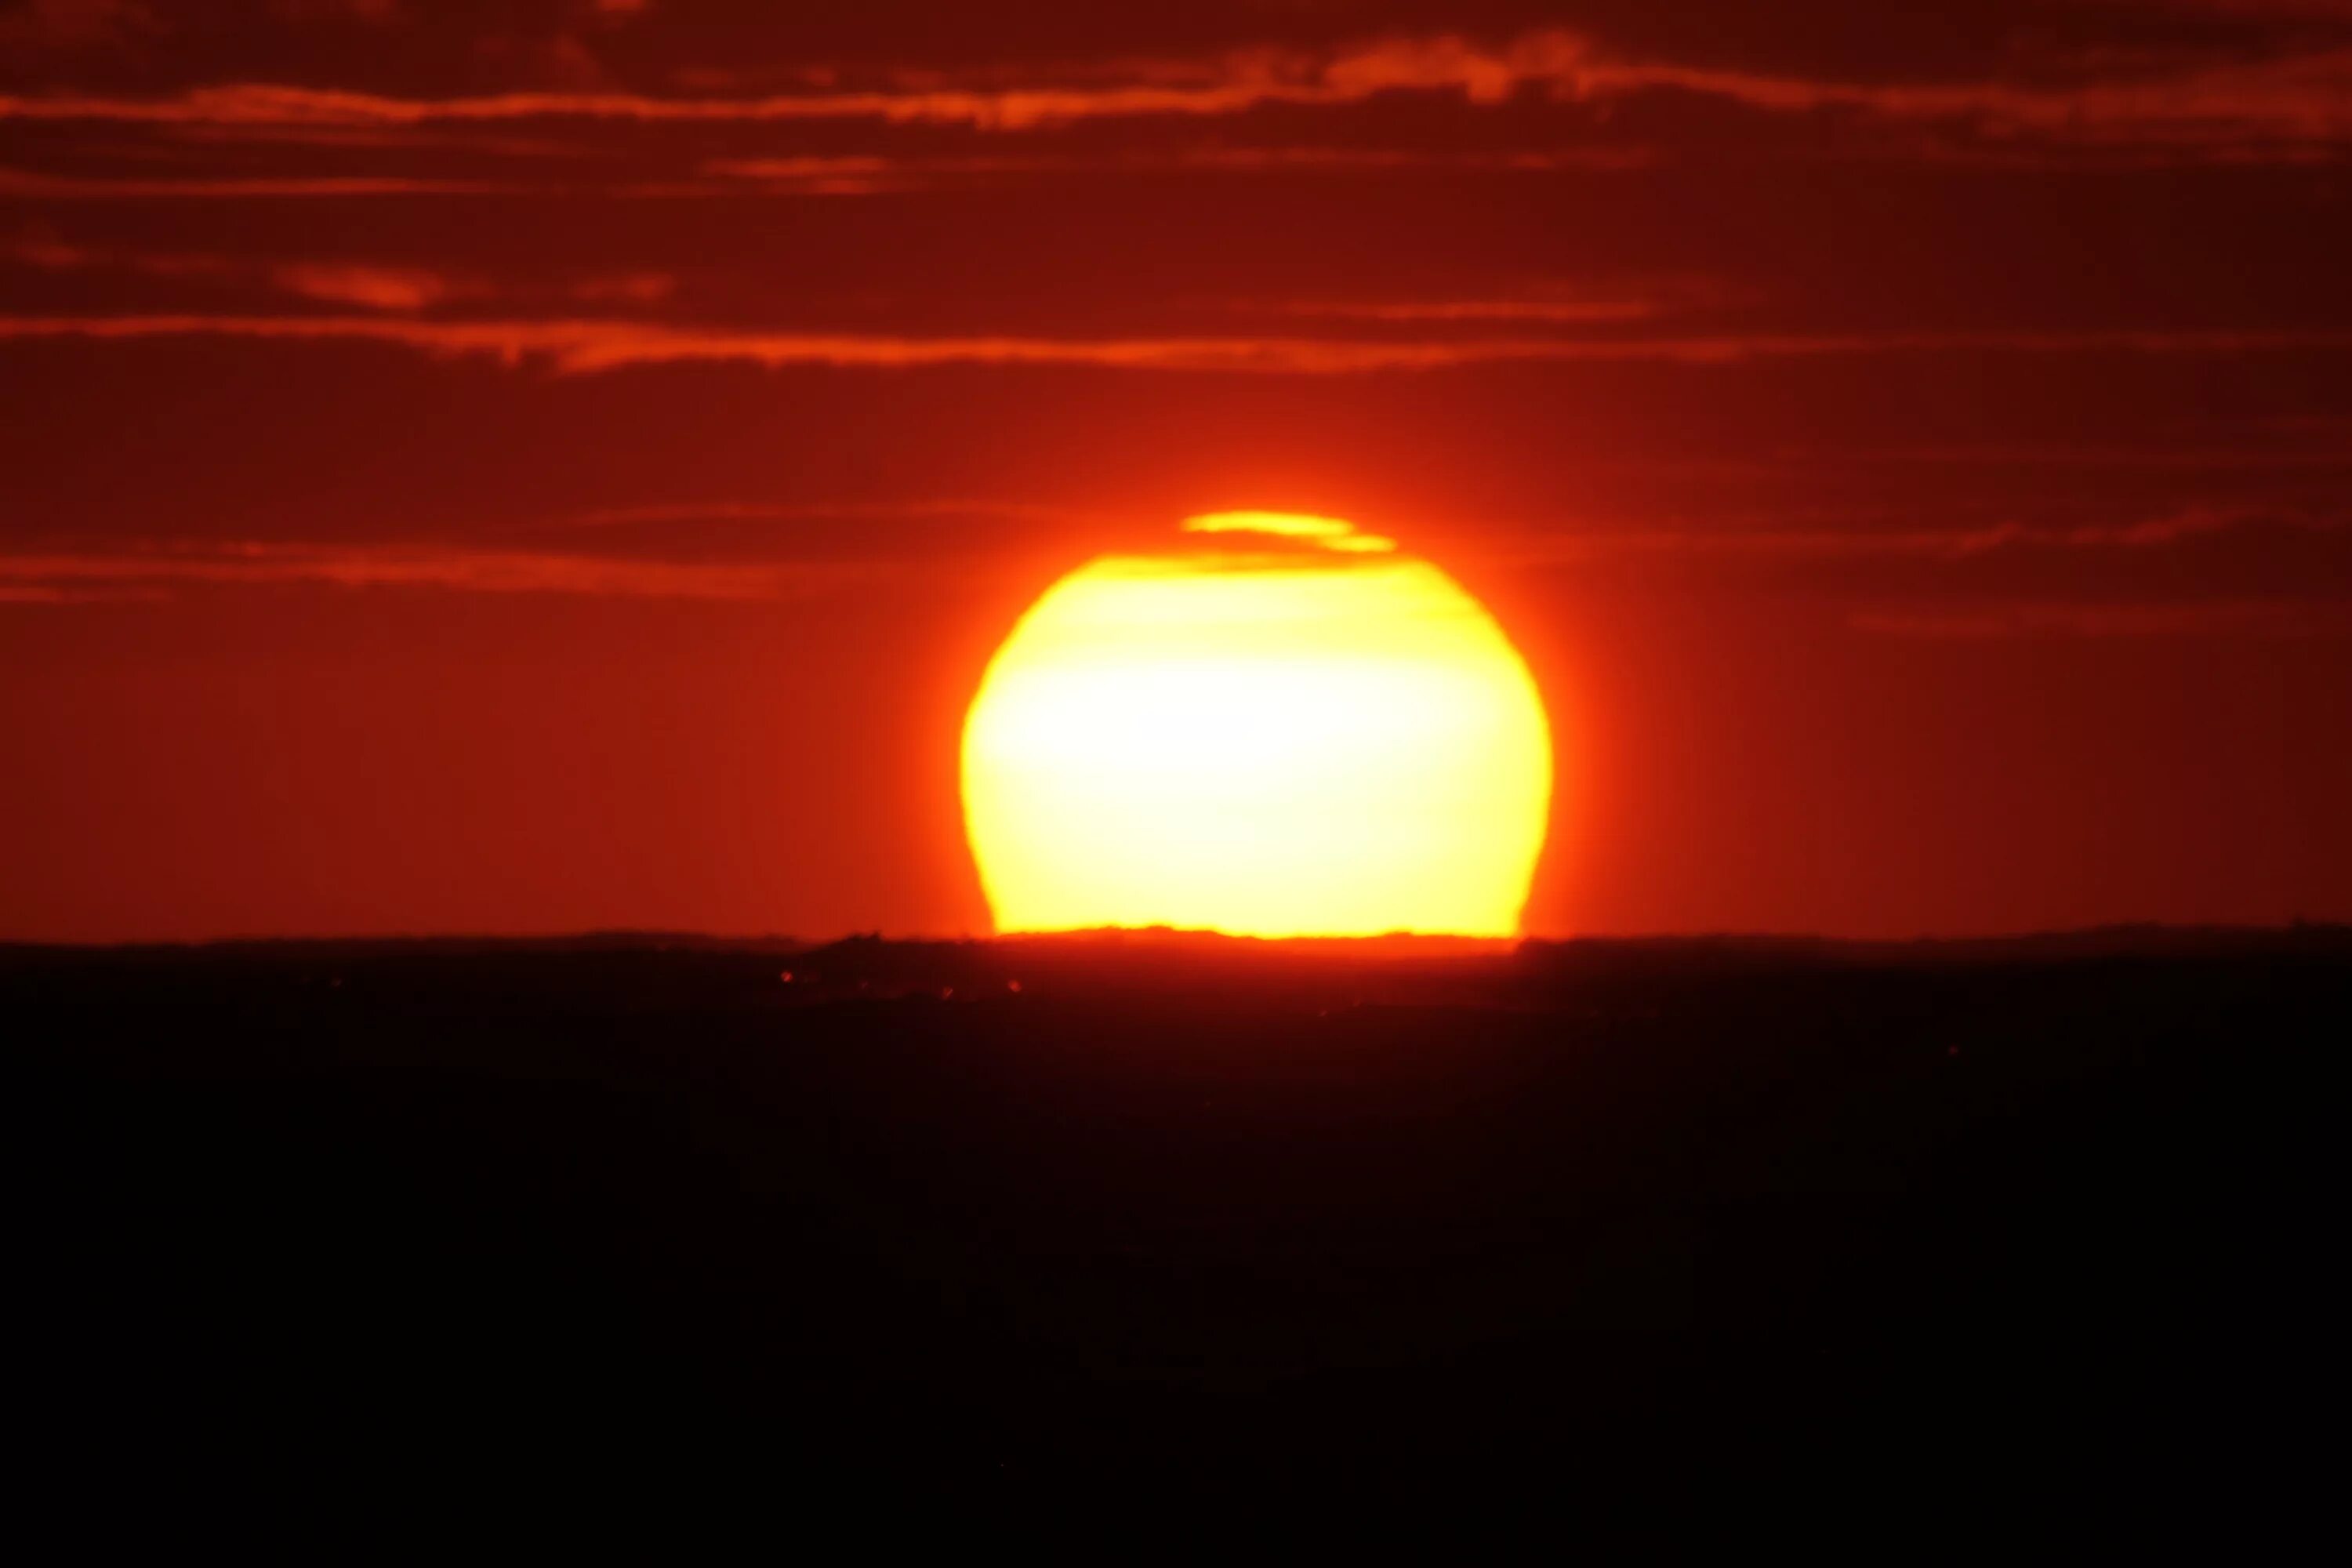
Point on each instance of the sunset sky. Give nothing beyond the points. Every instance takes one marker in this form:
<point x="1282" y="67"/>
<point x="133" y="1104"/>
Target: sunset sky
<point x="569" y="467"/>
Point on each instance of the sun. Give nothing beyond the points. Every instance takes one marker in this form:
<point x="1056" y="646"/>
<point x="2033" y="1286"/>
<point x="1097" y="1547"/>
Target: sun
<point x="1277" y="726"/>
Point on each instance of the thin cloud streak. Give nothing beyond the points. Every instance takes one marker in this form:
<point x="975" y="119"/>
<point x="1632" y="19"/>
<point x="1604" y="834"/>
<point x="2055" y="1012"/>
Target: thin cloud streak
<point x="845" y="174"/>
<point x="2230" y="618"/>
<point x="2029" y="455"/>
<point x="1945" y="543"/>
<point x="864" y="173"/>
<point x="376" y="287"/>
<point x="584" y="346"/>
<point x="50" y="578"/>
<point x="45" y="593"/>
<point x="2289" y="101"/>
<point x="1205" y="88"/>
<point x="149" y="572"/>
<point x="25" y="184"/>
<point x="370" y="285"/>
<point x="819" y="511"/>
<point x="1561" y="312"/>
<point x="2302" y="99"/>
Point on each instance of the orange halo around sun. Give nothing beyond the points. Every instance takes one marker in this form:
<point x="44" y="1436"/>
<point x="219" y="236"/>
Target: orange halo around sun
<point x="1279" y="726"/>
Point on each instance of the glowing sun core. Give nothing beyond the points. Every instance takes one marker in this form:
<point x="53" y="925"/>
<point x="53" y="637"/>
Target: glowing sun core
<point x="1287" y="730"/>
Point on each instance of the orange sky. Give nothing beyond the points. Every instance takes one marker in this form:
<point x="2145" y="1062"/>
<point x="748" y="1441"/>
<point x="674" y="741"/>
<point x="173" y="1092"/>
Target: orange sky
<point x="568" y="466"/>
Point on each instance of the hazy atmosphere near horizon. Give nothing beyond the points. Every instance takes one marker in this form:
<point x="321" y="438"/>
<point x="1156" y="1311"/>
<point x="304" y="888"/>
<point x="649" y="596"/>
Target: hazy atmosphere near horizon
<point x="568" y="464"/>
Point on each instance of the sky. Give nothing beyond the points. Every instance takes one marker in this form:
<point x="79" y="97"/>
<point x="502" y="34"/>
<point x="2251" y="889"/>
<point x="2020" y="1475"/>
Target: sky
<point x="566" y="466"/>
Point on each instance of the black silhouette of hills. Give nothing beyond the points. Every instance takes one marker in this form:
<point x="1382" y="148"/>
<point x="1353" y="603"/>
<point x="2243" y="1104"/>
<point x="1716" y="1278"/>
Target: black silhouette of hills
<point x="1979" y="1231"/>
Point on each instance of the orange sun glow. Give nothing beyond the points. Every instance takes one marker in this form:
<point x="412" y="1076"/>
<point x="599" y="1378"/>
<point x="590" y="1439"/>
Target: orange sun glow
<point x="1280" y="726"/>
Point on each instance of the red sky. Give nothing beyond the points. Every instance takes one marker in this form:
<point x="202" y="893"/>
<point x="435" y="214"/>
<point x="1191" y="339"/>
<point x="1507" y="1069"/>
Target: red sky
<point x="566" y="467"/>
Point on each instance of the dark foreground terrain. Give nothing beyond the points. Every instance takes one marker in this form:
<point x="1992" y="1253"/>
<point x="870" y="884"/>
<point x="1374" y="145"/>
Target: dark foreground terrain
<point x="1976" y="1231"/>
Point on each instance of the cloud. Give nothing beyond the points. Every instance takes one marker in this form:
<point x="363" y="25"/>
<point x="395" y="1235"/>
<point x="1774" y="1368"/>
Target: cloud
<point x="2277" y="103"/>
<point x="2337" y="10"/>
<point x="2204" y="570"/>
<point x="42" y="248"/>
<point x="2294" y="100"/>
<point x="75" y="24"/>
<point x="2171" y="527"/>
<point x="371" y="13"/>
<point x="895" y="533"/>
<point x="47" y="594"/>
<point x="372" y="286"/>
<point x="1953" y="544"/>
<point x="27" y="184"/>
<point x="1555" y="312"/>
<point x="2229" y="618"/>
<point x="376" y="287"/>
<point x="1209" y="87"/>
<point x="838" y="174"/>
<point x="581" y="346"/>
<point x="55" y="577"/>
<point x="2173" y="455"/>
<point x="147" y="572"/>
<point x="1599" y="300"/>
<point x="821" y="511"/>
<point x="625" y="288"/>
<point x="866" y="174"/>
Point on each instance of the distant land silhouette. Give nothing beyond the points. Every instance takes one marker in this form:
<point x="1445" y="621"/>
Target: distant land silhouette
<point x="1152" y="1215"/>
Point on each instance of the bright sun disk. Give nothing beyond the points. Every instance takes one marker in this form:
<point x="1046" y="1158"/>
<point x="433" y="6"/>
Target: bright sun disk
<point x="1283" y="728"/>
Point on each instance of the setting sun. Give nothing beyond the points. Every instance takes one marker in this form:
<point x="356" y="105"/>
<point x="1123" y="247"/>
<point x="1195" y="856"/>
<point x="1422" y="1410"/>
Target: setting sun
<point x="1280" y="726"/>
